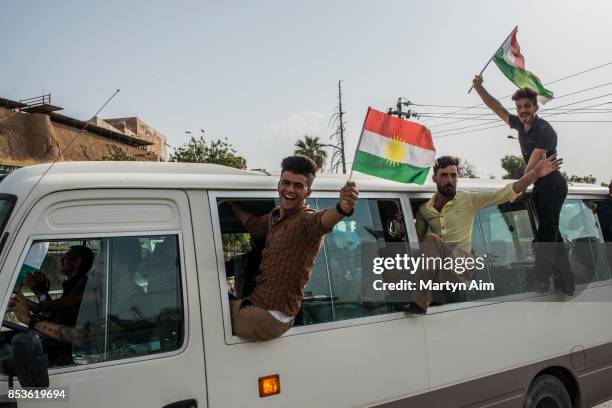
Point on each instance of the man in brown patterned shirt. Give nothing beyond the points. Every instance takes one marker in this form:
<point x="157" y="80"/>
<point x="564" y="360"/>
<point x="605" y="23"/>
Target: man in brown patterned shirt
<point x="293" y="234"/>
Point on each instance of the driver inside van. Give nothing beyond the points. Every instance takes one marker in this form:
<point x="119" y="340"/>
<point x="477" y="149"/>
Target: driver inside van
<point x="293" y="233"/>
<point x="56" y="318"/>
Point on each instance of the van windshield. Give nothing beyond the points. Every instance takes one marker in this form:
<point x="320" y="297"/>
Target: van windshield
<point x="6" y="206"/>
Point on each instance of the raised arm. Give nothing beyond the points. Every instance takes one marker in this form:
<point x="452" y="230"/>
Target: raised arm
<point x="348" y="198"/>
<point x="542" y="167"/>
<point x="242" y="215"/>
<point x="489" y="100"/>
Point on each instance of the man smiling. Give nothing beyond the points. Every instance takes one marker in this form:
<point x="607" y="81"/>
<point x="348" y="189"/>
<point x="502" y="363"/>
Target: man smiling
<point x="293" y="234"/>
<point x="538" y="140"/>
<point x="444" y="223"/>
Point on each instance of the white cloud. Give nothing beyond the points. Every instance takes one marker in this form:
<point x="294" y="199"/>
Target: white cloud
<point x="296" y="126"/>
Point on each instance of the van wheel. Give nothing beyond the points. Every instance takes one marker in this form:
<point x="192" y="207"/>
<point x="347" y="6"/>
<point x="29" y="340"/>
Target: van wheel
<point x="547" y="391"/>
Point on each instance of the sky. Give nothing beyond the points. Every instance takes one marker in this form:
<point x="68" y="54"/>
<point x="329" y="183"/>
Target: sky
<point x="265" y="73"/>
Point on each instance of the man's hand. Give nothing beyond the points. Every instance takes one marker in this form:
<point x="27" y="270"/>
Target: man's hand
<point x="348" y="196"/>
<point x="19" y="306"/>
<point x="477" y="81"/>
<point x="38" y="283"/>
<point x="547" y="166"/>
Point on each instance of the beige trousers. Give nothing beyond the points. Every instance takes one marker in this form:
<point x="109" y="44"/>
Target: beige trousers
<point x="434" y="247"/>
<point x="254" y="323"/>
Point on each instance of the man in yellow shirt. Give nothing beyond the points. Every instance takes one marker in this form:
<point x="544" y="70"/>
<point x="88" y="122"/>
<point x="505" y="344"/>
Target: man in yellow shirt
<point x="449" y="216"/>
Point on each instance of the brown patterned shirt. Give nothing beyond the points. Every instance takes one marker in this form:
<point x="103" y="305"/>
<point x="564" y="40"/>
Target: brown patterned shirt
<point x="292" y="244"/>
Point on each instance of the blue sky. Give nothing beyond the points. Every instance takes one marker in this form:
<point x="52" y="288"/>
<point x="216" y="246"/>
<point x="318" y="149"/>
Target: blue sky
<point x="265" y="73"/>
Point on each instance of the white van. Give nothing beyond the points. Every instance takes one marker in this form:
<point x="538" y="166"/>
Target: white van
<point x="153" y="328"/>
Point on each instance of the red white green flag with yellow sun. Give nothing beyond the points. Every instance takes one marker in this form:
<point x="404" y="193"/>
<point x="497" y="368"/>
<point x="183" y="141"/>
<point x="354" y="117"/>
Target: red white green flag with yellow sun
<point x="394" y="149"/>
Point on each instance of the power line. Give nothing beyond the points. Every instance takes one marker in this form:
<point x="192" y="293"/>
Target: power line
<point x="445" y="114"/>
<point x="567" y="104"/>
<point x="507" y="108"/>
<point x="579" y="73"/>
<point x="573" y="113"/>
<point x="503" y="124"/>
<point x="548" y="83"/>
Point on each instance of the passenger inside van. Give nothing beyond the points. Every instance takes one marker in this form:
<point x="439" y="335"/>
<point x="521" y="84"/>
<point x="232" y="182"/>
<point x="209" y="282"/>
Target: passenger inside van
<point x="56" y="318"/>
<point x="444" y="223"/>
<point x="293" y="233"/>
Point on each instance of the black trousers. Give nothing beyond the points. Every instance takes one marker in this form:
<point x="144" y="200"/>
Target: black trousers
<point x="551" y="254"/>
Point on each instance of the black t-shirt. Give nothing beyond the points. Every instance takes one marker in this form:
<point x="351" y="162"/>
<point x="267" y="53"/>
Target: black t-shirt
<point x="541" y="135"/>
<point x="604" y="212"/>
<point x="70" y="301"/>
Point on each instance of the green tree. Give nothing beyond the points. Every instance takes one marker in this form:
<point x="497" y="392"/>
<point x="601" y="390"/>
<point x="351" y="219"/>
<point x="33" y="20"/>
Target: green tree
<point x="514" y="166"/>
<point x="466" y="169"/>
<point x="311" y="147"/>
<point x="216" y="152"/>
<point x="580" y="179"/>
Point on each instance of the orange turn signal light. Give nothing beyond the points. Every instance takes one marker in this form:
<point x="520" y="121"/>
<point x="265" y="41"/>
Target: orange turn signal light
<point x="269" y="385"/>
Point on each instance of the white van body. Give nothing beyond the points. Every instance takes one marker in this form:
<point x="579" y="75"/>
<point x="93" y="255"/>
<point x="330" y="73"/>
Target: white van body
<point x="484" y="354"/>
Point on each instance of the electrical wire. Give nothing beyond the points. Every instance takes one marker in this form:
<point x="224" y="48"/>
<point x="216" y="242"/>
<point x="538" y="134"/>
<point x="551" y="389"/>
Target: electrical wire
<point x="503" y="124"/>
<point x="543" y="115"/>
<point x="548" y="83"/>
<point x="507" y="108"/>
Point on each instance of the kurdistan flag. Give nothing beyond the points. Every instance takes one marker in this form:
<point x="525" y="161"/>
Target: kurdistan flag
<point x="394" y="149"/>
<point x="512" y="63"/>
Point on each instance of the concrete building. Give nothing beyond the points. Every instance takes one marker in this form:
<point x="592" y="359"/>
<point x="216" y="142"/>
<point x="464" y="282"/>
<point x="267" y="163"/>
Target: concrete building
<point x="34" y="132"/>
<point x="136" y="127"/>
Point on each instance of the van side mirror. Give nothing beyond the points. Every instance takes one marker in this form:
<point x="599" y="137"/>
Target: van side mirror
<point x="29" y="361"/>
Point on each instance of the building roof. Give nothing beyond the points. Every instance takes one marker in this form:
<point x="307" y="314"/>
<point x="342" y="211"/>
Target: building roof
<point x="10" y="104"/>
<point x="99" y="130"/>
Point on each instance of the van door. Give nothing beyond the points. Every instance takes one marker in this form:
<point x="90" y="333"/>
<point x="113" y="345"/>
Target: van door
<point x="133" y="337"/>
<point x="348" y="347"/>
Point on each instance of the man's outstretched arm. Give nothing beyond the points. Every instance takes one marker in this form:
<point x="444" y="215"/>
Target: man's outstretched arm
<point x="490" y="101"/>
<point x="242" y="215"/>
<point x="348" y="198"/>
<point x="542" y="168"/>
<point x="510" y="191"/>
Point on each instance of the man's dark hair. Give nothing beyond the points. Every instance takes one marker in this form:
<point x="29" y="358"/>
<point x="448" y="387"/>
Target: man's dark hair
<point x="526" y="93"/>
<point x="300" y="165"/>
<point x="445" y="161"/>
<point x="85" y="255"/>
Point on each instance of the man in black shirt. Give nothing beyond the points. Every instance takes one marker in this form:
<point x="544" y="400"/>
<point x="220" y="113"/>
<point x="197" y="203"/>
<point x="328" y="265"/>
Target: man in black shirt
<point x="56" y="318"/>
<point x="604" y="213"/>
<point x="538" y="140"/>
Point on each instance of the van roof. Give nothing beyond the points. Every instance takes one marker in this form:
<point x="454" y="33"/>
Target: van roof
<point x="111" y="174"/>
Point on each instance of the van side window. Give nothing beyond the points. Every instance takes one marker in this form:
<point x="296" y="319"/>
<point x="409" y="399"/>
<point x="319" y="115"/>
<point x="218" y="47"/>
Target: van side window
<point x="581" y="230"/>
<point x="508" y="231"/>
<point x="339" y="287"/>
<point x="127" y="303"/>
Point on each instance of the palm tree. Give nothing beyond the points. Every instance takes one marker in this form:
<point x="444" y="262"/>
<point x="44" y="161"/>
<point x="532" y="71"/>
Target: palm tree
<point x="311" y="147"/>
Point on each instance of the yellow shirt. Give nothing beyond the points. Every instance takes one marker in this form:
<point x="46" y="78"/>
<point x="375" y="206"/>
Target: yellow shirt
<point x="454" y="222"/>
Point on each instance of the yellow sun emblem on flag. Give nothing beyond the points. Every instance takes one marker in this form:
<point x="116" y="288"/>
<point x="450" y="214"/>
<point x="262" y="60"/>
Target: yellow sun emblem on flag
<point x="395" y="152"/>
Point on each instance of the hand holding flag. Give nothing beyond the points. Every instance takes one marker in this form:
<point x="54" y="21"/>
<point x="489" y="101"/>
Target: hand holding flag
<point x="511" y="62"/>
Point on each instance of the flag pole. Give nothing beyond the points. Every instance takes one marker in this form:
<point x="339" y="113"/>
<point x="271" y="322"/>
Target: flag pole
<point x="358" y="144"/>
<point x="491" y="59"/>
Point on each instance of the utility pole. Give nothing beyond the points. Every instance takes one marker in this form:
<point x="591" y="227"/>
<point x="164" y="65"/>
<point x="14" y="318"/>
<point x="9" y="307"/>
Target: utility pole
<point x="338" y="157"/>
<point x="401" y="101"/>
